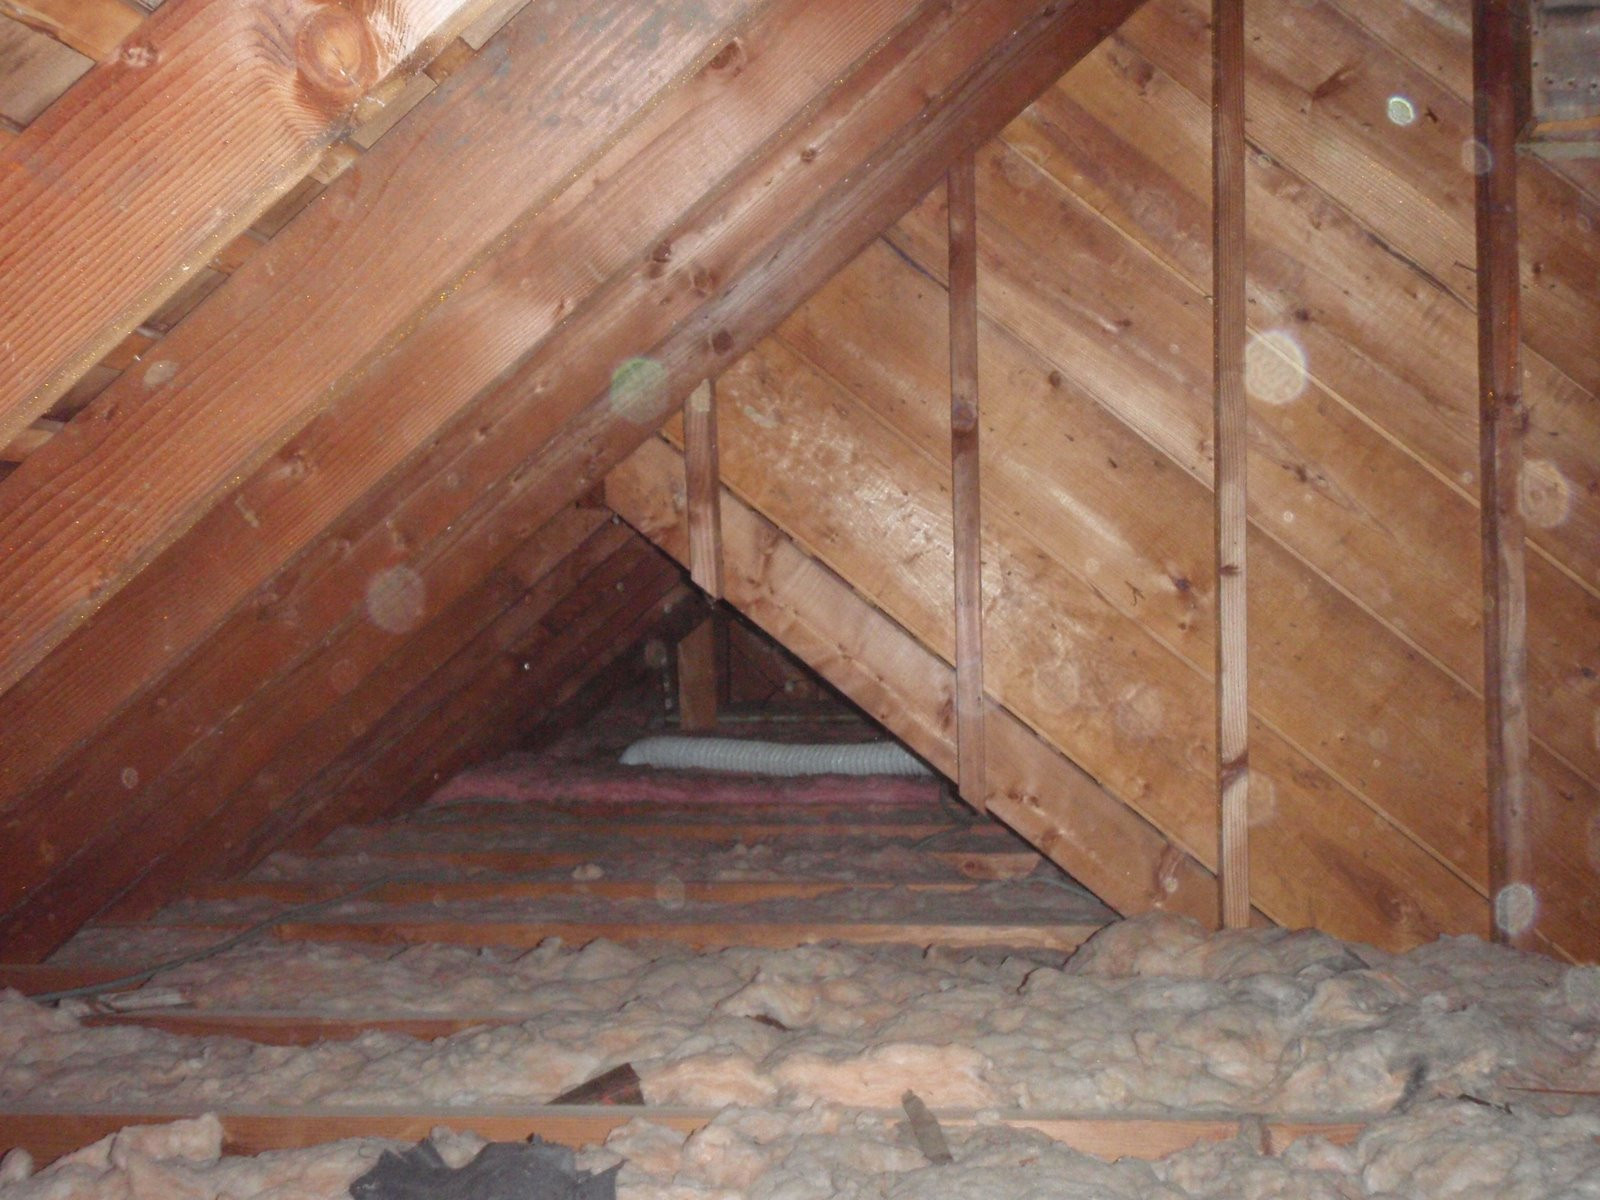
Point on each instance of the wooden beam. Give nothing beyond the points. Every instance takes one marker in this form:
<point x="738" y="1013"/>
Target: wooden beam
<point x="740" y="891"/>
<point x="249" y="94"/>
<point x="1502" y="423"/>
<point x="1231" y="422"/>
<point x="170" y="778"/>
<point x="260" y="816"/>
<point x="700" y="468"/>
<point x="874" y="661"/>
<point x="169" y="608"/>
<point x="263" y="355"/>
<point x="93" y="27"/>
<point x="169" y="838"/>
<point x="1061" y="936"/>
<point x="962" y="204"/>
<point x="697" y="671"/>
<point x="49" y="1134"/>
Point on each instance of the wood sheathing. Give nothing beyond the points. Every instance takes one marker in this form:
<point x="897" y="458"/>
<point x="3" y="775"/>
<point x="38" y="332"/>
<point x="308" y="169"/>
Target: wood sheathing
<point x="301" y="509"/>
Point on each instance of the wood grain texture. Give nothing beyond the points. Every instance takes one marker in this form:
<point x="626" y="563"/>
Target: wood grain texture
<point x="639" y="188"/>
<point x="1503" y="421"/>
<point x="248" y="370"/>
<point x="92" y="27"/>
<point x="1230" y="479"/>
<point x="182" y="826"/>
<point x="697" y="670"/>
<point x="702" y="475"/>
<point x="568" y="597"/>
<point x="78" y="276"/>
<point x="1088" y="675"/>
<point x="904" y="686"/>
<point x="966" y="479"/>
<point x="781" y="241"/>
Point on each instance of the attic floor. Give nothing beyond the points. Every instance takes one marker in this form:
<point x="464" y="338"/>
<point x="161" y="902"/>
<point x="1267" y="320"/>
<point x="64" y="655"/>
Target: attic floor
<point x="778" y="963"/>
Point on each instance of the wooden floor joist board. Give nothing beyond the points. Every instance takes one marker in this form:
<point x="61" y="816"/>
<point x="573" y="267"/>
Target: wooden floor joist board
<point x="974" y="864"/>
<point x="51" y="1133"/>
<point x="698" y="934"/>
<point x="456" y="890"/>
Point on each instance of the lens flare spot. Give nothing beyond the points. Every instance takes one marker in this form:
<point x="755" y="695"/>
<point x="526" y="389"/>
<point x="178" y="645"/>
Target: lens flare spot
<point x="1546" y="493"/>
<point x="1401" y="111"/>
<point x="396" y="599"/>
<point x="1515" y="909"/>
<point x="1476" y="157"/>
<point x="1274" y="367"/>
<point x="639" y="390"/>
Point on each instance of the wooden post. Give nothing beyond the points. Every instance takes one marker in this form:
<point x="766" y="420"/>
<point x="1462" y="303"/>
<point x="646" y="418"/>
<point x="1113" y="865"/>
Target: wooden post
<point x="1232" y="448"/>
<point x="702" y="475"/>
<point x="1502" y="420"/>
<point x="962" y="197"/>
<point x="697" y="679"/>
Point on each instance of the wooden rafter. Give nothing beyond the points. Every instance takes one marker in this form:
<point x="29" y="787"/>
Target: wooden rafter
<point x="249" y="94"/>
<point x="967" y="517"/>
<point x="1231" y="467"/>
<point x="700" y="467"/>
<point x="1502" y="423"/>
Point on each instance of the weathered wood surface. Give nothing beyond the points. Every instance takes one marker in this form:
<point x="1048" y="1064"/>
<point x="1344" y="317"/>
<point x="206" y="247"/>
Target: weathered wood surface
<point x="1393" y="183"/>
<point x="50" y="1134"/>
<point x="702" y="476"/>
<point x="228" y="103"/>
<point x="1230" y="425"/>
<point x="382" y="244"/>
<point x="961" y="187"/>
<point x="165" y="838"/>
<point x="1502" y="425"/>
<point x="311" y="781"/>
<point x="875" y="662"/>
<point x="174" y="759"/>
<point x="1063" y="657"/>
<point x="697" y="668"/>
<point x="331" y="465"/>
<point x="782" y="239"/>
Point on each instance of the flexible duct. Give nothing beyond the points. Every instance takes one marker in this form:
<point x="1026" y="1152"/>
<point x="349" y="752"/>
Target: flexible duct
<point x="773" y="758"/>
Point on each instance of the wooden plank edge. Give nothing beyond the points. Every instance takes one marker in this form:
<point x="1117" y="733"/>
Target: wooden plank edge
<point x="50" y="1133"/>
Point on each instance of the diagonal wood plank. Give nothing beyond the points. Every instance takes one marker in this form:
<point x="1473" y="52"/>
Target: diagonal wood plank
<point x="229" y="103"/>
<point x="820" y="618"/>
<point x="250" y="367"/>
<point x="975" y="96"/>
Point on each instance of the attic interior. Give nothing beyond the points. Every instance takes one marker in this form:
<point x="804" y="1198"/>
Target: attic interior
<point x="1168" y="435"/>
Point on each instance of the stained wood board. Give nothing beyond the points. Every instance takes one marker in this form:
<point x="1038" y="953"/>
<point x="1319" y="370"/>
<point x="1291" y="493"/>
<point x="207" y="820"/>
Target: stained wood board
<point x="1055" y="623"/>
<point x="242" y="833"/>
<point x="820" y="618"/>
<point x="88" y="271"/>
<point x="72" y="812"/>
<point x="1360" y="501"/>
<point x="447" y="891"/>
<point x="1403" y="753"/>
<point x="1387" y="177"/>
<point x="422" y="210"/>
<point x="80" y="691"/>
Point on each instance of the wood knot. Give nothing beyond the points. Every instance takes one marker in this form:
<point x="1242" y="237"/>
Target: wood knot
<point x="730" y="58"/>
<point x="336" y="55"/>
<point x="722" y="341"/>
